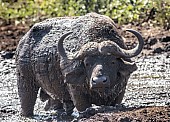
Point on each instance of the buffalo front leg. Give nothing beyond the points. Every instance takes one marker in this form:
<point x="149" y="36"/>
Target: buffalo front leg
<point x="118" y="99"/>
<point x="27" y="90"/>
<point x="80" y="100"/>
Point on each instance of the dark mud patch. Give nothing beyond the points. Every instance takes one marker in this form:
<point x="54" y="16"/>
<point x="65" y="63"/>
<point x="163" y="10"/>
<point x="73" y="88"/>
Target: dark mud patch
<point x="141" y="114"/>
<point x="10" y="36"/>
<point x="156" y="39"/>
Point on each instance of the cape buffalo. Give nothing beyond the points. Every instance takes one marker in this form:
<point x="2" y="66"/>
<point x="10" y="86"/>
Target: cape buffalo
<point x="76" y="61"/>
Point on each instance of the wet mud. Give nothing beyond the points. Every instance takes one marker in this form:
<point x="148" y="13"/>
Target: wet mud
<point x="147" y="88"/>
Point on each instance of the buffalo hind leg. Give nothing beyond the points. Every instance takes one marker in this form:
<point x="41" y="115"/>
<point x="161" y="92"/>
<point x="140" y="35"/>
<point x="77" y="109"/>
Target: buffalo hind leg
<point x="53" y="104"/>
<point x="27" y="90"/>
<point x="43" y="95"/>
<point x="28" y="94"/>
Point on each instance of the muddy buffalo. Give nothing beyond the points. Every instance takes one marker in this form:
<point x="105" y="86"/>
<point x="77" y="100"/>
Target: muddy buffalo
<point x="75" y="61"/>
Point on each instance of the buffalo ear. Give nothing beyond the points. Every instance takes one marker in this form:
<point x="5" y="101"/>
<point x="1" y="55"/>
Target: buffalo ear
<point x="76" y="75"/>
<point x="126" y="67"/>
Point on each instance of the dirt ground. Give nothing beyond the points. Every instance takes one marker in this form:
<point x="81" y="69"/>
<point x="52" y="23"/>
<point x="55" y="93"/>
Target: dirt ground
<point x="147" y="97"/>
<point x="147" y="114"/>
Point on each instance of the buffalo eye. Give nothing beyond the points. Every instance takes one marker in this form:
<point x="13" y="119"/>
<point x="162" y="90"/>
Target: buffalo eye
<point x="113" y="62"/>
<point x="86" y="64"/>
<point x="118" y="75"/>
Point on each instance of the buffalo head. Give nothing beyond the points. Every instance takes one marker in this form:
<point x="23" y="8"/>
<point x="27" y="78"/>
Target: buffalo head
<point x="102" y="66"/>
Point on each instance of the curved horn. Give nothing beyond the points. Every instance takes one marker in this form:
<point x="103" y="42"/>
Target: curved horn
<point x="112" y="48"/>
<point x="60" y="47"/>
<point x="135" y="51"/>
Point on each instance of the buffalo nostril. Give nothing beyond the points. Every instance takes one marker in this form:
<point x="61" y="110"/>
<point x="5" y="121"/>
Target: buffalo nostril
<point x="105" y="81"/>
<point x="94" y="79"/>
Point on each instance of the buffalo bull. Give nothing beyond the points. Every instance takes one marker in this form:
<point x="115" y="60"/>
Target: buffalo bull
<point x="76" y="61"/>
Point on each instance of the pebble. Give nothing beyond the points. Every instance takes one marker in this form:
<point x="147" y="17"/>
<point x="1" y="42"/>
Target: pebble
<point x="7" y="54"/>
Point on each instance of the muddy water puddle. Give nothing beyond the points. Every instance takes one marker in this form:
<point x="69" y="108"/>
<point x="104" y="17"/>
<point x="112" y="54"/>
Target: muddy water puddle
<point x="148" y="86"/>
